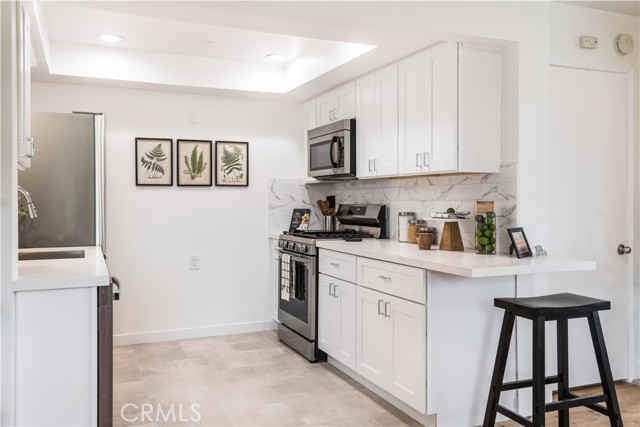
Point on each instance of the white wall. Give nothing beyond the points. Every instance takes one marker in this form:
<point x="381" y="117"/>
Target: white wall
<point x="152" y="231"/>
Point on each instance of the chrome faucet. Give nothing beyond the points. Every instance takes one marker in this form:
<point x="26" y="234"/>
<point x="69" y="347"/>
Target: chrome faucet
<point x="31" y="209"/>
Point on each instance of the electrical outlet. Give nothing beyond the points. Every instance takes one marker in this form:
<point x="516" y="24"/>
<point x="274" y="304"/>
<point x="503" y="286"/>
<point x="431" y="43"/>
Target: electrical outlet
<point x="588" y="42"/>
<point x="194" y="262"/>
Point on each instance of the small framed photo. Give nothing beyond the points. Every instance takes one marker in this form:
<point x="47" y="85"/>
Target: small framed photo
<point x="519" y="242"/>
<point x="193" y="163"/>
<point x="154" y="160"/>
<point x="232" y="164"/>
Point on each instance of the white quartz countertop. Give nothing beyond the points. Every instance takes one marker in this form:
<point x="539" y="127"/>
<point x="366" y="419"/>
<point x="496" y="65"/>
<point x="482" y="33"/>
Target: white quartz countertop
<point x="89" y="271"/>
<point x="467" y="263"/>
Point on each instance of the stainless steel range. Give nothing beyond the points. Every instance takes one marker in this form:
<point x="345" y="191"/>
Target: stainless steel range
<point x="298" y="273"/>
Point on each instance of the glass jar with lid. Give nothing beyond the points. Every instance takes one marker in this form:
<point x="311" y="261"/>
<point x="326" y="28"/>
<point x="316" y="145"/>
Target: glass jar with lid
<point x="414" y="225"/>
<point x="403" y="225"/>
<point x="486" y="228"/>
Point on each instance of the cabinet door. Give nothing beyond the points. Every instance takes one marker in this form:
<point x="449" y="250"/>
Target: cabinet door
<point x="444" y="102"/>
<point x="409" y="345"/>
<point x="414" y="132"/>
<point x="337" y="319"/>
<point x="367" y="135"/>
<point x="345" y="101"/>
<point x="325" y="106"/>
<point x="328" y="316"/>
<point x="377" y="114"/>
<point x="373" y="332"/>
<point x="386" y="161"/>
<point x="310" y="116"/>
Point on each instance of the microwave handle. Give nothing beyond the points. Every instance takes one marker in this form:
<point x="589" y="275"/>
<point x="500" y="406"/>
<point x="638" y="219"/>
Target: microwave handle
<point x="334" y="142"/>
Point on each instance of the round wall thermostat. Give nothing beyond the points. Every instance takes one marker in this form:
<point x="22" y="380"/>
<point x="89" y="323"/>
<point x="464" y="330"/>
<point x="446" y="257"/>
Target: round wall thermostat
<point x="624" y="44"/>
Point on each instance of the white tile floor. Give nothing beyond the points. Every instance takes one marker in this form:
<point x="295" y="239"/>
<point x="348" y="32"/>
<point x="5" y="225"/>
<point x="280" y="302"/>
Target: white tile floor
<point x="238" y="380"/>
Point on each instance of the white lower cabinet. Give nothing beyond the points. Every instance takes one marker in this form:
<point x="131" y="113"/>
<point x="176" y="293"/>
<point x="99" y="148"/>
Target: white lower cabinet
<point x="337" y="319"/>
<point x="391" y="345"/>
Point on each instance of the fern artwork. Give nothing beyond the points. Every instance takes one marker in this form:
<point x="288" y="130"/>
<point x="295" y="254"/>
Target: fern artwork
<point x="194" y="162"/>
<point x="153" y="161"/>
<point x="232" y="163"/>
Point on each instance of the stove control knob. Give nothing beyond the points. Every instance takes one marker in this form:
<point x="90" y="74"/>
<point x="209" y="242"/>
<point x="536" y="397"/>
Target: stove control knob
<point x="304" y="248"/>
<point x="298" y="247"/>
<point x="288" y="245"/>
<point x="280" y="243"/>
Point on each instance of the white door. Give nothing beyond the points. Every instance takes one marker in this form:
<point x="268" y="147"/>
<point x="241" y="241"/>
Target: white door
<point x="409" y="342"/>
<point x="414" y="111"/>
<point x="373" y="349"/>
<point x="387" y="99"/>
<point x="328" y="315"/>
<point x="367" y="135"/>
<point x="325" y="108"/>
<point x="346" y="340"/>
<point x="443" y="155"/>
<point x="590" y="206"/>
<point x="345" y="101"/>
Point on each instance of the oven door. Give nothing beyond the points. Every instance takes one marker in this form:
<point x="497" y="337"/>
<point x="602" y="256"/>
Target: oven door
<point x="326" y="155"/>
<point x="297" y="293"/>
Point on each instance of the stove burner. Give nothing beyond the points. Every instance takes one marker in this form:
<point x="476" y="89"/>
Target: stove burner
<point x="312" y="234"/>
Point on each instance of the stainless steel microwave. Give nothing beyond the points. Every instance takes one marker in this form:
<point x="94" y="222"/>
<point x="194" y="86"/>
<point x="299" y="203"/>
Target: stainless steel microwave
<point x="332" y="150"/>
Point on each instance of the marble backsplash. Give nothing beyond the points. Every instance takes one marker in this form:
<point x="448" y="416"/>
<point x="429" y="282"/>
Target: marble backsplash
<point x="421" y="194"/>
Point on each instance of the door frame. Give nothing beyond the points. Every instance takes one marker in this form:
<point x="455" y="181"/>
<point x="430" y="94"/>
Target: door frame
<point x="633" y="330"/>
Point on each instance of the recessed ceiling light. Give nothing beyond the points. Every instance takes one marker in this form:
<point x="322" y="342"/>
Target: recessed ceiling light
<point x="111" y="38"/>
<point x="276" y="57"/>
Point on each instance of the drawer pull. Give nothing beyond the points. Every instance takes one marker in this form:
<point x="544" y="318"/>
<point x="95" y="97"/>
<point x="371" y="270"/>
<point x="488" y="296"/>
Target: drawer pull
<point x="331" y="293"/>
<point x="335" y="291"/>
<point x="387" y="309"/>
<point x="380" y="312"/>
<point x="335" y="264"/>
<point x="385" y="277"/>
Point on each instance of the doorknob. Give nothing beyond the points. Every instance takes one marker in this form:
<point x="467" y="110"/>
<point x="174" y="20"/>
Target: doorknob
<point x="622" y="249"/>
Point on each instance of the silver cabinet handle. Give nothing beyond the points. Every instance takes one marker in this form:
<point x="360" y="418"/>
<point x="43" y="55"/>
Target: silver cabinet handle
<point x="331" y="293"/>
<point x="375" y="165"/>
<point x="331" y="115"/>
<point x="380" y="312"/>
<point x="385" y="277"/>
<point x="31" y="142"/>
<point x="335" y="291"/>
<point x="370" y="166"/>
<point x="335" y="114"/>
<point x="387" y="309"/>
<point x="426" y="159"/>
<point x="418" y="160"/>
<point x="335" y="264"/>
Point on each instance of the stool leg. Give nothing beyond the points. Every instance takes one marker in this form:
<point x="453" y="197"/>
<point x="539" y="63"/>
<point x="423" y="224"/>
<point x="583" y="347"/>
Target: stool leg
<point x="498" y="369"/>
<point x="605" y="369"/>
<point x="538" y="415"/>
<point x="563" y="369"/>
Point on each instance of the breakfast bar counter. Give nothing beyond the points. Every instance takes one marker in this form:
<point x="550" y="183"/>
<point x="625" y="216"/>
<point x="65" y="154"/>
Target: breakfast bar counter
<point x="460" y="263"/>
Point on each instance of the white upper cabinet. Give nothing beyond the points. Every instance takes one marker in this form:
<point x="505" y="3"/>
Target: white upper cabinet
<point x="310" y="116"/>
<point x="377" y="122"/>
<point x="26" y="149"/>
<point x="449" y="112"/>
<point x="337" y="104"/>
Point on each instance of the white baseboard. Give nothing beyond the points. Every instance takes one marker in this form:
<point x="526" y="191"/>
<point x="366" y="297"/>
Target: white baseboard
<point x="188" y="333"/>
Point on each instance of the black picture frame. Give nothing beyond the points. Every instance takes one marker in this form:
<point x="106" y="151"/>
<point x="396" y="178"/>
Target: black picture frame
<point x="519" y="243"/>
<point x="232" y="172"/>
<point x="154" y="162"/>
<point x="187" y="175"/>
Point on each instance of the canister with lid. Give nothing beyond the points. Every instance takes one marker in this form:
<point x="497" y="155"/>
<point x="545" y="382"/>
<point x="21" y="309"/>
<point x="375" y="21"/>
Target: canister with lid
<point x="414" y="224"/>
<point x="403" y="225"/>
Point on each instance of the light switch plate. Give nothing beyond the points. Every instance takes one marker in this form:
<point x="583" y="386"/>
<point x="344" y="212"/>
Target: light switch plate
<point x="588" y="42"/>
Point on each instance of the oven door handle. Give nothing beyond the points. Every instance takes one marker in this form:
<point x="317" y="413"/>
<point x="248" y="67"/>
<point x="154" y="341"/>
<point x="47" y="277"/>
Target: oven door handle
<point x="298" y="259"/>
<point x="334" y="142"/>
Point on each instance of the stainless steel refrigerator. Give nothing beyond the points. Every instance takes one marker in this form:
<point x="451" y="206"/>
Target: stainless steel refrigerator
<point x="66" y="182"/>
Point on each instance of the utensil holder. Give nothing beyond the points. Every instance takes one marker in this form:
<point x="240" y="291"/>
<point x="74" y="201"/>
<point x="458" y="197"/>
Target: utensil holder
<point x="329" y="223"/>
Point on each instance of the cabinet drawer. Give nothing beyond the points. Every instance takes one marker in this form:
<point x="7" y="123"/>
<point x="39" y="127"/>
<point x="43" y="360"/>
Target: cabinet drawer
<point x="394" y="279"/>
<point x="337" y="264"/>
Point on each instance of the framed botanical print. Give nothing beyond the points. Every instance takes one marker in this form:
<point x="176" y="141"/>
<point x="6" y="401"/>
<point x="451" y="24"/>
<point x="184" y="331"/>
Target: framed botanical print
<point x="154" y="157"/>
<point x="232" y="164"/>
<point x="194" y="162"/>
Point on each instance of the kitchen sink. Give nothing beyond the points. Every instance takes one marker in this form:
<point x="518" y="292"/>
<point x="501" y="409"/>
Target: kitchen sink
<point x="31" y="256"/>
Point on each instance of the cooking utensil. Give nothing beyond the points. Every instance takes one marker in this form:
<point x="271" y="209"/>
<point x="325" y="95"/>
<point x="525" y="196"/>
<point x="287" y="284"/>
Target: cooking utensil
<point x="323" y="205"/>
<point x="332" y="201"/>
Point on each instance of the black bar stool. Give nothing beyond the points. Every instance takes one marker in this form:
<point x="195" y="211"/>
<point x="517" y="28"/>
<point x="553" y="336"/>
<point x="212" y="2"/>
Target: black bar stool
<point x="561" y="308"/>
